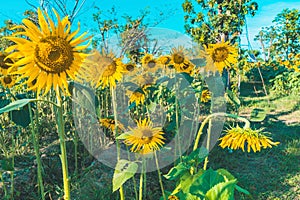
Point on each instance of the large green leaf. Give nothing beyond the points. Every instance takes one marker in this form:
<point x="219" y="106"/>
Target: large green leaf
<point x="177" y="171"/>
<point x="226" y="174"/>
<point x="21" y="117"/>
<point x="205" y="182"/>
<point x="187" y="163"/>
<point x="124" y="170"/>
<point x="16" y="105"/>
<point x="222" y="191"/>
<point x="4" y="102"/>
<point x="257" y="115"/>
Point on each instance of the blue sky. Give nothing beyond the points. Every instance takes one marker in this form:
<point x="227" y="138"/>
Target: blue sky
<point x="268" y="9"/>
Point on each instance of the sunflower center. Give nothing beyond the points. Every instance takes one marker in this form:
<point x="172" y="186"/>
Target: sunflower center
<point x="3" y="64"/>
<point x="129" y="68"/>
<point x="220" y="54"/>
<point x="53" y="54"/>
<point x="7" y="79"/>
<point x="110" y="68"/>
<point x="151" y="64"/>
<point x="147" y="135"/>
<point x="178" y="58"/>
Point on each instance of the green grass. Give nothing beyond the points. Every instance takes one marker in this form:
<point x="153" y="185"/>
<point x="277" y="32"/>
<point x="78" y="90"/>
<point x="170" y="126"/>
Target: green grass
<point x="272" y="173"/>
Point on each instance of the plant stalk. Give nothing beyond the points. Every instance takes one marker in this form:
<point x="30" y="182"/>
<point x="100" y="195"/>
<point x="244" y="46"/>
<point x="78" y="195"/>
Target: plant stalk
<point x="63" y="156"/>
<point x="35" y="138"/>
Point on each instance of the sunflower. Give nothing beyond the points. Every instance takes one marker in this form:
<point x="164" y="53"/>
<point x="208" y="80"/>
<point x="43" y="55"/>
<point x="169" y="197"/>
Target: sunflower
<point x="144" y="138"/>
<point x="222" y="54"/>
<point x="48" y="53"/>
<point x="239" y="137"/>
<point x="179" y="59"/>
<point x="130" y="69"/>
<point x="149" y="63"/>
<point x="102" y="69"/>
<point x="205" y="96"/>
<point x="144" y="80"/>
<point x="186" y="67"/>
<point x="5" y="64"/>
<point x="8" y="81"/>
<point x="137" y="96"/>
<point x="110" y="124"/>
<point x="173" y="197"/>
<point x="164" y="59"/>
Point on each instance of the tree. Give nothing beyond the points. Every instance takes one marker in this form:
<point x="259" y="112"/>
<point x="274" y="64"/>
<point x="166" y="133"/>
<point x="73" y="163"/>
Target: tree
<point x="287" y="27"/>
<point x="209" y="21"/>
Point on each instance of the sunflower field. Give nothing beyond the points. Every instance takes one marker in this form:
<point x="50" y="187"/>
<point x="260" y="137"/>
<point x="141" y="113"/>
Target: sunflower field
<point x="127" y="110"/>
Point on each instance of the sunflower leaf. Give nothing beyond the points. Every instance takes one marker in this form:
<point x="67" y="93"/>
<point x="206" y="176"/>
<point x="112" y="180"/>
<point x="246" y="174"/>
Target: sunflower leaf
<point x="16" y="105"/>
<point x="123" y="136"/>
<point x="223" y="190"/>
<point x="124" y="170"/>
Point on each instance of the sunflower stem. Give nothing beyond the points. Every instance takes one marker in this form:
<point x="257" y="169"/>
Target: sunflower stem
<point x="35" y="138"/>
<point x="207" y="143"/>
<point x="142" y="180"/>
<point x="177" y="137"/>
<point x="208" y="119"/>
<point x="211" y="116"/>
<point x="159" y="176"/>
<point x="114" y="103"/>
<point x="63" y="156"/>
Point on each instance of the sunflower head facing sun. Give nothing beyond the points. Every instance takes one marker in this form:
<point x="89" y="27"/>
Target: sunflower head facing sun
<point x="47" y="53"/>
<point x="149" y="63"/>
<point x="222" y="55"/>
<point x="144" y="139"/>
<point x="101" y="69"/>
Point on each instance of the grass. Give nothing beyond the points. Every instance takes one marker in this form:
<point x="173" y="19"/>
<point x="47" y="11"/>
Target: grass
<point x="272" y="173"/>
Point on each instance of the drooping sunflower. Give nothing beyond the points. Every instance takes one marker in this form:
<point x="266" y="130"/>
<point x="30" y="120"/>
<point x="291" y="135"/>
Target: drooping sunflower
<point x="102" y="69"/>
<point x="149" y="63"/>
<point x="5" y="63"/>
<point x="222" y="54"/>
<point x="205" y="96"/>
<point x="239" y="137"/>
<point x="48" y="53"/>
<point x="8" y="81"/>
<point x="144" y="138"/>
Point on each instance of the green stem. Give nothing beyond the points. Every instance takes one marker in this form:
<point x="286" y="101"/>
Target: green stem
<point x="141" y="180"/>
<point x="35" y="138"/>
<point x="177" y="139"/>
<point x="75" y="140"/>
<point x="247" y="124"/>
<point x="3" y="182"/>
<point x="13" y="164"/>
<point x="207" y="143"/>
<point x="63" y="156"/>
<point x="113" y="96"/>
<point x="159" y="177"/>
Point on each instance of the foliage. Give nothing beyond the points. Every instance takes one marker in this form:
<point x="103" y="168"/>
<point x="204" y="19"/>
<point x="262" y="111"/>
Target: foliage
<point x="286" y="83"/>
<point x="281" y="38"/>
<point x="206" y="21"/>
